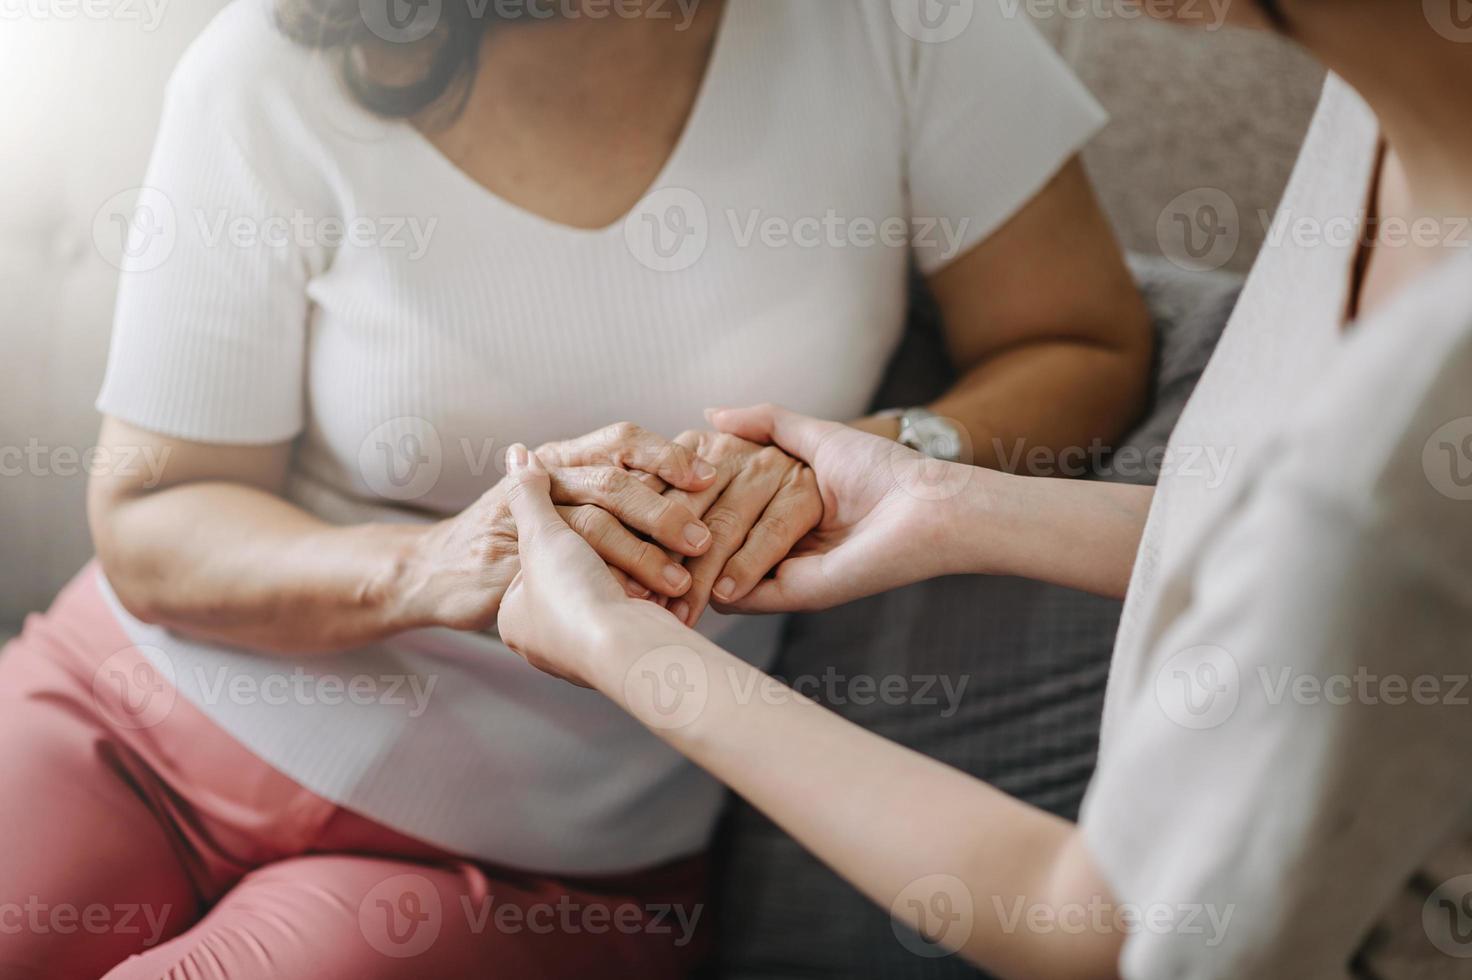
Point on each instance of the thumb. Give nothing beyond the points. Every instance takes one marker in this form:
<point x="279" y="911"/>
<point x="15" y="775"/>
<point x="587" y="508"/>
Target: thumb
<point x="797" y="435"/>
<point x="529" y="495"/>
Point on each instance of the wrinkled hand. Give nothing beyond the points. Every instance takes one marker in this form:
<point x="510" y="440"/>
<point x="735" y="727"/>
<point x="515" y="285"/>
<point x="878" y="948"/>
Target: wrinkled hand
<point x="880" y="526"/>
<point x="760" y="505"/>
<point x="462" y="566"/>
<point x="564" y="606"/>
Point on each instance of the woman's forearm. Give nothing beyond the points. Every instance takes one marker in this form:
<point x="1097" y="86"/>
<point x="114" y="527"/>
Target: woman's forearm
<point x="1078" y="534"/>
<point x="235" y="564"/>
<point x="957" y="868"/>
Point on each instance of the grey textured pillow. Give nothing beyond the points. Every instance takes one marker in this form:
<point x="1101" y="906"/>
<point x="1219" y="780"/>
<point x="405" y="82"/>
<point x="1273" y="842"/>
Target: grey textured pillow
<point x="1002" y="678"/>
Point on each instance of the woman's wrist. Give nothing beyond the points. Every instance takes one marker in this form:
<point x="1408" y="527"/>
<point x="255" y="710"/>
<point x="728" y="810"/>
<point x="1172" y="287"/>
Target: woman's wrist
<point x="969" y="529"/>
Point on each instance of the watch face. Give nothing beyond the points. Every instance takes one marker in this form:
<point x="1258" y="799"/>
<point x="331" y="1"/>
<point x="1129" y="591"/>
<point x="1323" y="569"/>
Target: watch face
<point x="938" y="438"/>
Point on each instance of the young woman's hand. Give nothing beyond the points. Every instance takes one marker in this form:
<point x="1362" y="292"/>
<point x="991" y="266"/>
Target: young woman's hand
<point x="460" y="568"/>
<point x="564" y="605"/>
<point x="883" y="516"/>
<point x="761" y="503"/>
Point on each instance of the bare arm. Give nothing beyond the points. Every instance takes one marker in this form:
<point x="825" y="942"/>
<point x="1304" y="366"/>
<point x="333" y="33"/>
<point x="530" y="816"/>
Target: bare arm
<point x="892" y="517"/>
<point x="208" y="546"/>
<point x="968" y="851"/>
<point x="1047" y="329"/>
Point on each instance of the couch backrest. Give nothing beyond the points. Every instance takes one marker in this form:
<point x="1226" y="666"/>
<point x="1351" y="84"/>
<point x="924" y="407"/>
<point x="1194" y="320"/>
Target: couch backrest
<point x="82" y="101"/>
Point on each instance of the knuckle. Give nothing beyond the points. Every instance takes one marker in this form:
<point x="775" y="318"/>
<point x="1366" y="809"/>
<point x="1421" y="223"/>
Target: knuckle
<point x="724" y="524"/>
<point x="623" y="431"/>
<point x="606" y="481"/>
<point x="647" y="556"/>
<point x="585" y="521"/>
<point x="775" y="528"/>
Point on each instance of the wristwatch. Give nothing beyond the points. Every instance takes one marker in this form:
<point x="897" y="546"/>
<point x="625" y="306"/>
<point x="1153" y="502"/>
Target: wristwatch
<point x="925" y="432"/>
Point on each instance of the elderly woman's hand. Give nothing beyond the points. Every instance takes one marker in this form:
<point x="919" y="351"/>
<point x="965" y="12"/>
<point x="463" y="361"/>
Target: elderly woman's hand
<point x="461" y="568"/>
<point x="760" y="505"/>
<point x="564" y="608"/>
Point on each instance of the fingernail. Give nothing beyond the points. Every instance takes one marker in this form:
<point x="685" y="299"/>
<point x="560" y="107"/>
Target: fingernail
<point x="725" y="587"/>
<point x="676" y="576"/>
<point x="681" y="610"/>
<point x="704" y="471"/>
<point x="637" y="590"/>
<point x="697" y="535"/>
<point x="516" y="458"/>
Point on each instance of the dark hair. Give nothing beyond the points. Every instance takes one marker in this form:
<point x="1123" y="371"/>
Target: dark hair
<point x="445" y="55"/>
<point x="1273" y="10"/>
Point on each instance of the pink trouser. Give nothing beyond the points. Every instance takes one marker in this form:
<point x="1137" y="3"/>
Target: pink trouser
<point x="167" y="849"/>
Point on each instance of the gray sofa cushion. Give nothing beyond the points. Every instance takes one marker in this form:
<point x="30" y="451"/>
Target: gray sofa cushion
<point x="1002" y="678"/>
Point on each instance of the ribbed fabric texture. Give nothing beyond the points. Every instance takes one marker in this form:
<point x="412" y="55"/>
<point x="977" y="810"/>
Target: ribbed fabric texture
<point x="404" y="359"/>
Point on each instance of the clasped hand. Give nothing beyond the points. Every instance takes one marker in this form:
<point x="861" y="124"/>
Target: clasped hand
<point x="675" y="521"/>
<point x="878" y="527"/>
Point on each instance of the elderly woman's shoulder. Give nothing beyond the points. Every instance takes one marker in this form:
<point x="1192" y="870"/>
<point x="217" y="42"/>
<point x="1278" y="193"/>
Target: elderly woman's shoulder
<point x="243" y="62"/>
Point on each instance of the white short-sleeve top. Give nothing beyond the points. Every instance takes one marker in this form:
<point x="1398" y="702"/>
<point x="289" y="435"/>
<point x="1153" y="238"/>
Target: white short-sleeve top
<point x="310" y="272"/>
